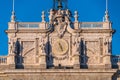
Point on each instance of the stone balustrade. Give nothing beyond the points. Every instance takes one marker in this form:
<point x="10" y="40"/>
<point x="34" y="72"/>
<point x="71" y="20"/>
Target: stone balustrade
<point x="32" y="25"/>
<point x="116" y="60"/>
<point x="119" y="61"/>
<point x="91" y="25"/>
<point x="3" y="60"/>
<point x="82" y="25"/>
<point x="24" y="25"/>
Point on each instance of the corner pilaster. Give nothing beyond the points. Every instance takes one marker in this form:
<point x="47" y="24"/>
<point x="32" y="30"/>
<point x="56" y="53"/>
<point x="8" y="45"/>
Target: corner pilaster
<point x="12" y="25"/>
<point x="107" y="61"/>
<point x="107" y="25"/>
<point x="76" y="62"/>
<point x="42" y="61"/>
<point x="11" y="61"/>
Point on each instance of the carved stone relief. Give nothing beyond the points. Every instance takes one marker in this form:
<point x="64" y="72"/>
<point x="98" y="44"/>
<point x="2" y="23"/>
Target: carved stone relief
<point x="30" y="57"/>
<point x="76" y="44"/>
<point x="60" y="27"/>
<point x="107" y="44"/>
<point x="43" y="44"/>
<point x="11" y="43"/>
<point x="92" y="51"/>
<point x="28" y="51"/>
<point x="60" y="49"/>
<point x="11" y="46"/>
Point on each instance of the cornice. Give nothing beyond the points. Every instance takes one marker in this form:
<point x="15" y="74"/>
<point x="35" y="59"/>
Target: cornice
<point x="95" y="31"/>
<point x="28" y="31"/>
<point x="49" y="30"/>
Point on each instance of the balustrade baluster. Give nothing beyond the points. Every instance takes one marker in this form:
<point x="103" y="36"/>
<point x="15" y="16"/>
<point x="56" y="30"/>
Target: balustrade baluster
<point x="3" y="60"/>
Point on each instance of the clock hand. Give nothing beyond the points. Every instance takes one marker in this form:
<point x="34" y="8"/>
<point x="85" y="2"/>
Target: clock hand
<point x="61" y="47"/>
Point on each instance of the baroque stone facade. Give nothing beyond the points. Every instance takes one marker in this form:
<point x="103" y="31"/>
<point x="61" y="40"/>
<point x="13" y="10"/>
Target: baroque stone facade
<point x="59" y="49"/>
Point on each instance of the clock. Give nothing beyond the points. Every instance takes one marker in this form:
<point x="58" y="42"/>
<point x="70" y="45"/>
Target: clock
<point x="60" y="47"/>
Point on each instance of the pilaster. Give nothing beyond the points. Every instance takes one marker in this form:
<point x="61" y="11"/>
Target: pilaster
<point x="76" y="62"/>
<point x="76" y="25"/>
<point x="107" y="25"/>
<point x="43" y="25"/>
<point x="12" y="25"/>
<point x="42" y="61"/>
<point x="11" y="61"/>
<point x="107" y="61"/>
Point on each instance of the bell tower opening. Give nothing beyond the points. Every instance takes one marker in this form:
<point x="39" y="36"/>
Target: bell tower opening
<point x="60" y="4"/>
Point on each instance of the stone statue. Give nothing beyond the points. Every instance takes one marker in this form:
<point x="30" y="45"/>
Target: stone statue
<point x="51" y="16"/>
<point x="17" y="47"/>
<point x="68" y="13"/>
<point x="43" y="16"/>
<point x="11" y="46"/>
<point x="42" y="44"/>
<point x="110" y="44"/>
<point x="76" y="16"/>
<point x="107" y="44"/>
<point x="76" y="44"/>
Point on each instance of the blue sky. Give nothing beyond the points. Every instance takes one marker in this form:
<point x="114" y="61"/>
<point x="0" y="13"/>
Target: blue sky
<point x="30" y="11"/>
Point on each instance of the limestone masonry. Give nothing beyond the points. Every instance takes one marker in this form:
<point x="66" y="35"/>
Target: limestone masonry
<point x="59" y="49"/>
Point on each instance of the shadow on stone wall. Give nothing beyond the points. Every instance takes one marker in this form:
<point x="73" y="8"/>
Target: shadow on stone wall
<point x="114" y="61"/>
<point x="83" y="56"/>
<point x="18" y="56"/>
<point x="116" y="76"/>
<point x="49" y="58"/>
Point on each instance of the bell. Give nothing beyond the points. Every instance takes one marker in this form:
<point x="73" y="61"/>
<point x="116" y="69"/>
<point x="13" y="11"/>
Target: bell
<point x="59" y="4"/>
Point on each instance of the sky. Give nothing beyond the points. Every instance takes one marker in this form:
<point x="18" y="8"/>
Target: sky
<point x="30" y="11"/>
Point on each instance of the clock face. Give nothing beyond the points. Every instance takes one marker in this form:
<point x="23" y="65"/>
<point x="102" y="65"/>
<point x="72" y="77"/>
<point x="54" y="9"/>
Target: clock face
<point x="60" y="47"/>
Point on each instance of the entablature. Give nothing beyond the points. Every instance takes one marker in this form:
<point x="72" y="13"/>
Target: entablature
<point x="44" y="27"/>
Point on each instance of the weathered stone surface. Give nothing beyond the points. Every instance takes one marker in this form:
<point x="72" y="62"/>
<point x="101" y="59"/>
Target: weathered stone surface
<point x="59" y="74"/>
<point x="59" y="50"/>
